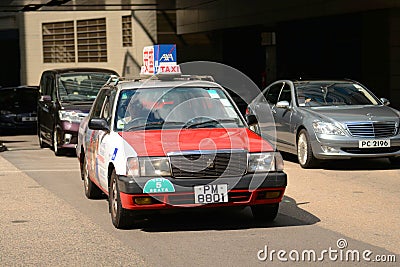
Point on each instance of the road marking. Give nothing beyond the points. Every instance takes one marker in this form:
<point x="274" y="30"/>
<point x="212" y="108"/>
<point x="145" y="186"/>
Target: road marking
<point x="58" y="170"/>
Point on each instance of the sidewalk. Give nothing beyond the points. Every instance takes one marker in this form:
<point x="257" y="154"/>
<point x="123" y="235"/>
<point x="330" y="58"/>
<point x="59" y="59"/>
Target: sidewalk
<point x="39" y="229"/>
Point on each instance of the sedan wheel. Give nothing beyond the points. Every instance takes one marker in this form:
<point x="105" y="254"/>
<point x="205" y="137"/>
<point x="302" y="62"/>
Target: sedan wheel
<point x="119" y="216"/>
<point x="304" y="151"/>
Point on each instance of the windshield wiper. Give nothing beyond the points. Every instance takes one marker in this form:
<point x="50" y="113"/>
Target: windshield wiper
<point x="154" y="123"/>
<point x="214" y="121"/>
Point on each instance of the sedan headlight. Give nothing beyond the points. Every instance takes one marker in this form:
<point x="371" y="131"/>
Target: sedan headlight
<point x="321" y="127"/>
<point x="71" y="116"/>
<point x="148" y="166"/>
<point x="265" y="162"/>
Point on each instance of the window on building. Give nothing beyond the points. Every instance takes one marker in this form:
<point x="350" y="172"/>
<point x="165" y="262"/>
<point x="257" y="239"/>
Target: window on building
<point x="92" y="40"/>
<point x="58" y="42"/>
<point x="126" y="31"/>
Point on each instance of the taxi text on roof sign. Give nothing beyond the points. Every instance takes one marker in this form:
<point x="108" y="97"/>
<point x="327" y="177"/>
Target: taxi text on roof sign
<point x="160" y="59"/>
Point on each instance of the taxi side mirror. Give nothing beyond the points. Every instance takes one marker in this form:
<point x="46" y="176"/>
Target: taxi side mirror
<point x="98" y="124"/>
<point x="251" y="119"/>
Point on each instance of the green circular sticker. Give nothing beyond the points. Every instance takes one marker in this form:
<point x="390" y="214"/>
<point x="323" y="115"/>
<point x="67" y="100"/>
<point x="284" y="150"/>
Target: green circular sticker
<point x="158" y="185"/>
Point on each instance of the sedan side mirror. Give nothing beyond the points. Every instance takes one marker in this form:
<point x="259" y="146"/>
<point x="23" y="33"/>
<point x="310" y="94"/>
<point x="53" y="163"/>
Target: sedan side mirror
<point x="282" y="104"/>
<point x="385" y="101"/>
<point x="251" y="119"/>
<point x="98" y="124"/>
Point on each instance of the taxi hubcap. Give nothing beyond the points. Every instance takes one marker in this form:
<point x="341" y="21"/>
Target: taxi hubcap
<point x="86" y="177"/>
<point x="114" y="199"/>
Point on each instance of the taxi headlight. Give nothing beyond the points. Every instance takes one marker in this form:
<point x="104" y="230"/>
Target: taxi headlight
<point x="148" y="166"/>
<point x="265" y="162"/>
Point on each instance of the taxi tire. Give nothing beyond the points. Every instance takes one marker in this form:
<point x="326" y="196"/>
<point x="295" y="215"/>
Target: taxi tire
<point x="120" y="217"/>
<point x="265" y="212"/>
<point x="304" y="146"/>
<point x="92" y="191"/>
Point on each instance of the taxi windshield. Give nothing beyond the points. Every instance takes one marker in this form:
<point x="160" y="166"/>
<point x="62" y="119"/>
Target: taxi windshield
<point x="175" y="108"/>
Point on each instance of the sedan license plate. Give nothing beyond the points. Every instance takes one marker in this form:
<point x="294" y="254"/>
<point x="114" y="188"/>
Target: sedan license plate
<point x="212" y="193"/>
<point x="374" y="143"/>
<point x="29" y="118"/>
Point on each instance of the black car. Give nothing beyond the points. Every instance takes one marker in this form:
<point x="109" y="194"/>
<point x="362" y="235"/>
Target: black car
<point x="18" y="107"/>
<point x="66" y="97"/>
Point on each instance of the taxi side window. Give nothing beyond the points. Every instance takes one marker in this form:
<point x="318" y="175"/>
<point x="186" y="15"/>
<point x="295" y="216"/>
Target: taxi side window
<point x="106" y="112"/>
<point x="98" y="104"/>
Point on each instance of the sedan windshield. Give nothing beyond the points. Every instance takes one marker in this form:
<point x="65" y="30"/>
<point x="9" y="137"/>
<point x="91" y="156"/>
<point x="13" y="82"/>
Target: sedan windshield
<point x="333" y="94"/>
<point x="175" y="108"/>
<point x="81" y="86"/>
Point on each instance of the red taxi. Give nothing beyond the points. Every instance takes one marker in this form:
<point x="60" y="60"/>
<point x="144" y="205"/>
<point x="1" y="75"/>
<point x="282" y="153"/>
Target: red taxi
<point x="172" y="142"/>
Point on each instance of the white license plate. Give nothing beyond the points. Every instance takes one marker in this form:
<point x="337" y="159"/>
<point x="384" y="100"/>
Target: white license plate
<point x="29" y="118"/>
<point x="212" y="193"/>
<point x="374" y="143"/>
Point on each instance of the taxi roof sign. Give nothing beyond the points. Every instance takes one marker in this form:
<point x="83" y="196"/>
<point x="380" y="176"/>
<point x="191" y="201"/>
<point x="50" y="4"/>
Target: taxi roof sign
<point x="160" y="60"/>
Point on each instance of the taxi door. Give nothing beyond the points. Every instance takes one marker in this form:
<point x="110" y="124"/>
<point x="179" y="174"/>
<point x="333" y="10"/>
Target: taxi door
<point x="97" y="144"/>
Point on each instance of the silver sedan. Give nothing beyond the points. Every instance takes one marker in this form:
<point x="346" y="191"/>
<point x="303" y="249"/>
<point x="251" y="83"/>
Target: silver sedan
<point x="327" y="119"/>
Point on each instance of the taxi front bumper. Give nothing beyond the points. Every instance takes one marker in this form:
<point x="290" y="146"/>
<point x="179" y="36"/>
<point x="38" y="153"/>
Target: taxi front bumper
<point x="250" y="189"/>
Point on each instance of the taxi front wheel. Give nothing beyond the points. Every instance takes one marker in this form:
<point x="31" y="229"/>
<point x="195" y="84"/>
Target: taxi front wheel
<point x="120" y="217"/>
<point x="265" y="212"/>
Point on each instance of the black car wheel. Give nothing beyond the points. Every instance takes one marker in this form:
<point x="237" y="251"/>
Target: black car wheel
<point x="57" y="150"/>
<point x="119" y="216"/>
<point x="91" y="189"/>
<point x="42" y="144"/>
<point x="265" y="212"/>
<point x="305" y="155"/>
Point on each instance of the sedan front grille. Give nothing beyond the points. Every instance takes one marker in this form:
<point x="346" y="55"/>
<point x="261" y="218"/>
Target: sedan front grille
<point x="372" y="129"/>
<point x="209" y="165"/>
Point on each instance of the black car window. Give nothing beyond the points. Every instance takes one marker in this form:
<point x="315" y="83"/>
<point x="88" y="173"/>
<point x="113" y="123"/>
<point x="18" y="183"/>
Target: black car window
<point x="272" y="94"/>
<point x="43" y="84"/>
<point x="53" y="91"/>
<point x="18" y="100"/>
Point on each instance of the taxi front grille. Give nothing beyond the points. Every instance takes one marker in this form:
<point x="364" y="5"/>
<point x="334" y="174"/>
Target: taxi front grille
<point x="209" y="165"/>
<point x="372" y="129"/>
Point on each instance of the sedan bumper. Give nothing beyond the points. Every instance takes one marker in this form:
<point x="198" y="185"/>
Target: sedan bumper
<point x="344" y="147"/>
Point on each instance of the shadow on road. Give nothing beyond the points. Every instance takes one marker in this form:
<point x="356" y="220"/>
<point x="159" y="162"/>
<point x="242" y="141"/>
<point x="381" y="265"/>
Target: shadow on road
<point x="290" y="214"/>
<point x="348" y="164"/>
